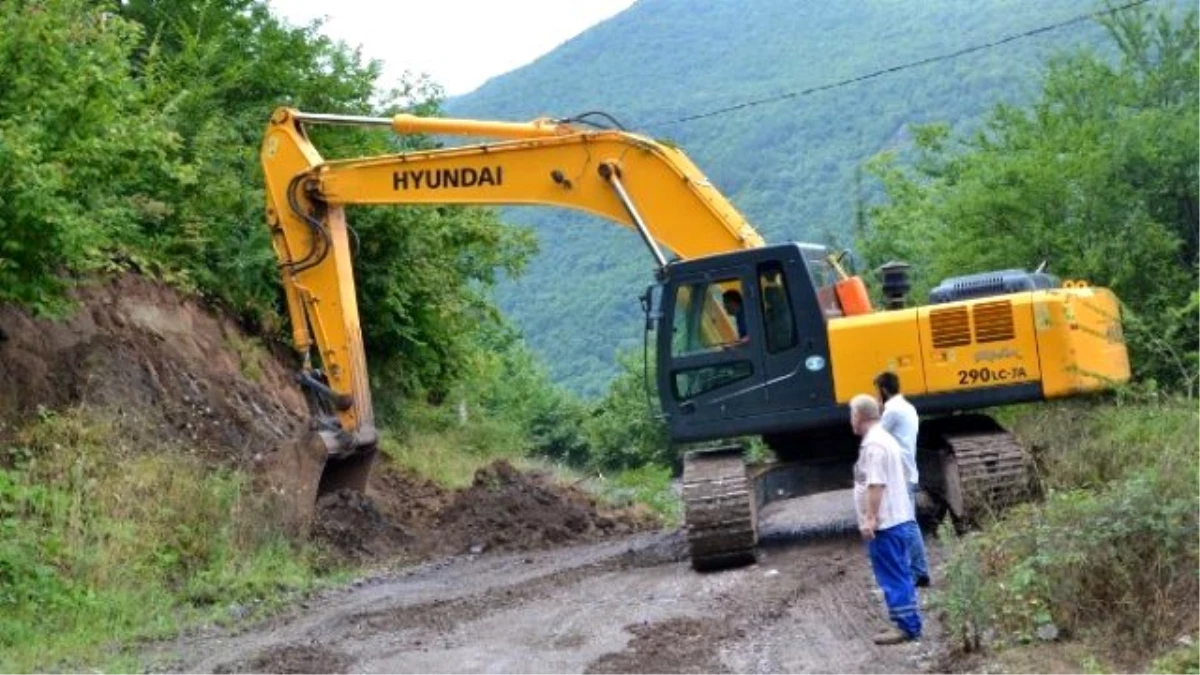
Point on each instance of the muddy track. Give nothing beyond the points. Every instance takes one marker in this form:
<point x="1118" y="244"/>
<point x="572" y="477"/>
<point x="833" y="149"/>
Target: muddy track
<point x="632" y="605"/>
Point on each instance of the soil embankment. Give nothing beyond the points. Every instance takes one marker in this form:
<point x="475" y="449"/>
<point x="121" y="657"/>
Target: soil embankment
<point x="176" y="375"/>
<point x="166" y="367"/>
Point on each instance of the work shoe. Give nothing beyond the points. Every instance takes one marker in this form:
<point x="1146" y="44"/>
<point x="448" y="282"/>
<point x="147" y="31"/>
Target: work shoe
<point x="891" y="636"/>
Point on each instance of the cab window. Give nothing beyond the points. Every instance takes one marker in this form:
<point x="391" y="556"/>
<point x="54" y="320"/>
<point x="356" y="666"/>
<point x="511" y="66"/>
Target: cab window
<point x="709" y="315"/>
<point x="695" y="381"/>
<point x="824" y="280"/>
<point x="779" y="326"/>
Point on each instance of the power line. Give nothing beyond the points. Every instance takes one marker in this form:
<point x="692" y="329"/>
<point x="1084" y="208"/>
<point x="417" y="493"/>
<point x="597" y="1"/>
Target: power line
<point x="897" y="68"/>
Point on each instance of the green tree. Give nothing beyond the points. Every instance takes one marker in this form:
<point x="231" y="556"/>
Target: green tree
<point x="81" y="154"/>
<point x="509" y="383"/>
<point x="625" y="429"/>
<point x="218" y="69"/>
<point x="129" y="138"/>
<point x="1098" y="177"/>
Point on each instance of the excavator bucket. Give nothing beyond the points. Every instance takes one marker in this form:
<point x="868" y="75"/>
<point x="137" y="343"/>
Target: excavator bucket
<point x="300" y="471"/>
<point x="351" y="471"/>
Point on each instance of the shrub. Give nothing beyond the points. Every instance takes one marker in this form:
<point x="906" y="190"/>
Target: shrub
<point x="1113" y="550"/>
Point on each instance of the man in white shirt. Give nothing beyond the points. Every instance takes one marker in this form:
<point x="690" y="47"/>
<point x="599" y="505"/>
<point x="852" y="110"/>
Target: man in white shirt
<point x="885" y="518"/>
<point x="901" y="421"/>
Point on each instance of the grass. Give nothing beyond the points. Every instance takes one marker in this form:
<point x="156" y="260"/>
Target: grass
<point x="1182" y="659"/>
<point x="251" y="355"/>
<point x="1082" y="444"/>
<point x="649" y="485"/>
<point x="102" y="545"/>
<point x="435" y="443"/>
<point x="1110" y="557"/>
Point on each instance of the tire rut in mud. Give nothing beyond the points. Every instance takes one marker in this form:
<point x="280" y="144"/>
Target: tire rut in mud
<point x="292" y="659"/>
<point x="440" y="616"/>
<point x="404" y="517"/>
<point x="690" y="645"/>
<point x="679" y="645"/>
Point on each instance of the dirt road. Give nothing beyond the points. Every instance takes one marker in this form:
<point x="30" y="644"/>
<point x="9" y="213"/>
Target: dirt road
<point x="632" y="605"/>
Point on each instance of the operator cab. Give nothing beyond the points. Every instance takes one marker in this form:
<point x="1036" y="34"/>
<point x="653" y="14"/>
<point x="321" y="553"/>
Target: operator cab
<point x="742" y="341"/>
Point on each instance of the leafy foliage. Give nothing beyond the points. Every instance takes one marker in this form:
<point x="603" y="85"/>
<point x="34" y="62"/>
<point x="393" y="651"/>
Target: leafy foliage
<point x="1112" y="552"/>
<point x="82" y="151"/>
<point x="511" y="383"/>
<point x="649" y="485"/>
<point x="146" y="157"/>
<point x="1098" y="176"/>
<point x="222" y="68"/>
<point x="625" y="428"/>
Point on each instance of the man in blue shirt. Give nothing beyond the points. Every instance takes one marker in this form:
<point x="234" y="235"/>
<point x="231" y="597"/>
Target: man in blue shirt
<point x="901" y="421"/>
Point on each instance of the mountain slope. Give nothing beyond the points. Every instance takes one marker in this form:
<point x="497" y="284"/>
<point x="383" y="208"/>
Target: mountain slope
<point x="790" y="166"/>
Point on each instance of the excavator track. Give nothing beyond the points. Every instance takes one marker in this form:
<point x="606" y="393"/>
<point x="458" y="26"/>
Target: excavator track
<point x="720" y="509"/>
<point x="985" y="471"/>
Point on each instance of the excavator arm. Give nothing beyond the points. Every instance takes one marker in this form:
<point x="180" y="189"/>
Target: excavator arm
<point x="634" y="181"/>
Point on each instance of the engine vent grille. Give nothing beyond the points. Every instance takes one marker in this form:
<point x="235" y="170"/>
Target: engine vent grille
<point x="993" y="321"/>
<point x="950" y="327"/>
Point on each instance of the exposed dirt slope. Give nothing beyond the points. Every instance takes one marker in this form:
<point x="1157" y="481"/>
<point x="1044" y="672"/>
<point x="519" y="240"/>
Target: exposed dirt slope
<point x="165" y="365"/>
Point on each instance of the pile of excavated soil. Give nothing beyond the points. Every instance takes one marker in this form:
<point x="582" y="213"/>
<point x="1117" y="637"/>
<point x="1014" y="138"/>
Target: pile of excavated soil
<point x="405" y="517"/>
<point x="349" y="522"/>
<point x="507" y="510"/>
<point x="395" y="519"/>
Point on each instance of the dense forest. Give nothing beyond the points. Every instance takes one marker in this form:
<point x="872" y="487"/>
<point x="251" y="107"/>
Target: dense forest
<point x="796" y="167"/>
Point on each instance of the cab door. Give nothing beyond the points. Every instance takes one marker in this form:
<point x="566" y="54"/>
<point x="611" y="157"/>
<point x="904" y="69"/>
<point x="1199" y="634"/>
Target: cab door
<point x="710" y="355"/>
<point x="798" y="375"/>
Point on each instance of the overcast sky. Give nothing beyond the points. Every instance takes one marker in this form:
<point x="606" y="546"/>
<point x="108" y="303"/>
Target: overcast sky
<point x="459" y="43"/>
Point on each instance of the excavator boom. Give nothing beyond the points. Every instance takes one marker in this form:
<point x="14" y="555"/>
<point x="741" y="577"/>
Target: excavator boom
<point x="670" y="204"/>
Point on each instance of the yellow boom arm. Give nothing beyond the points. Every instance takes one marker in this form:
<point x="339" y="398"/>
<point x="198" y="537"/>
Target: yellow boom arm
<point x="629" y="179"/>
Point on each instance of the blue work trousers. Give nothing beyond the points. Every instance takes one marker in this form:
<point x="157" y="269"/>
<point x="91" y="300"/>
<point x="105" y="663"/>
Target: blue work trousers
<point x="889" y="560"/>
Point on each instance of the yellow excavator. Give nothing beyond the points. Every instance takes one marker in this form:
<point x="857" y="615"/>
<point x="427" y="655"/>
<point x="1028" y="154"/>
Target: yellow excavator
<point x="751" y="339"/>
